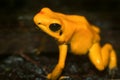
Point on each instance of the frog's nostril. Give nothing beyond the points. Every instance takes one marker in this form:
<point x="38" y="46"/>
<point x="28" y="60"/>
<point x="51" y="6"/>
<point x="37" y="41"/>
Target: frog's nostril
<point x="54" y="27"/>
<point x="39" y="23"/>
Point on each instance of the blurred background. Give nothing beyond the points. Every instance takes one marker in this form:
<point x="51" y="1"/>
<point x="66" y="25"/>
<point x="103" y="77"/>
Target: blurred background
<point x="17" y="30"/>
<point x="19" y="35"/>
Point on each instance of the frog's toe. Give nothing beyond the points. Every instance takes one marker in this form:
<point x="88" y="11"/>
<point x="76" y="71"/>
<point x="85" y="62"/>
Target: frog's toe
<point x="64" y="78"/>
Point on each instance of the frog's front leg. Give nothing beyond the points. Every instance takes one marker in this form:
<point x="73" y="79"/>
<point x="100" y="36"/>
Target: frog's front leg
<point x="101" y="57"/>
<point x="61" y="63"/>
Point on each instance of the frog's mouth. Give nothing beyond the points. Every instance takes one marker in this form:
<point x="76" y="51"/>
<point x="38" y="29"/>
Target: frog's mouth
<point x="60" y="32"/>
<point x="49" y="32"/>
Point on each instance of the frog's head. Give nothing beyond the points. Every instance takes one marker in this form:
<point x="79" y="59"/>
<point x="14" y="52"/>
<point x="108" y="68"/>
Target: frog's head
<point x="49" y="22"/>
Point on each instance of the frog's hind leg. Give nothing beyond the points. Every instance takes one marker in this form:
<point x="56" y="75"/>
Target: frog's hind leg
<point x="101" y="57"/>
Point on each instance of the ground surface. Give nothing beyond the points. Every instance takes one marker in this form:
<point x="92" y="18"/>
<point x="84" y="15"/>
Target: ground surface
<point x="15" y="67"/>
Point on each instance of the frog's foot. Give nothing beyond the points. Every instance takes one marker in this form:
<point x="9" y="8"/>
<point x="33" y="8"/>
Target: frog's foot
<point x="61" y="78"/>
<point x="49" y="76"/>
<point x="64" y="78"/>
<point x="113" y="71"/>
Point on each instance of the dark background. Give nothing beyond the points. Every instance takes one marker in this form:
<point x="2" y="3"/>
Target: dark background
<point x="17" y="29"/>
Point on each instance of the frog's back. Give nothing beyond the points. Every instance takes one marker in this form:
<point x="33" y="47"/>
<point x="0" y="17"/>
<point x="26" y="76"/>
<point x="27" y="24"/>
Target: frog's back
<point x="77" y="18"/>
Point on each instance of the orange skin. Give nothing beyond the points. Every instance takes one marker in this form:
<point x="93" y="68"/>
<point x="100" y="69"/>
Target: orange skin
<point x="82" y="36"/>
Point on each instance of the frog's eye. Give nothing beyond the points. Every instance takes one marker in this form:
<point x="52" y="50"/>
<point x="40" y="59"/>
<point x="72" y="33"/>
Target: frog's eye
<point x="54" y="27"/>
